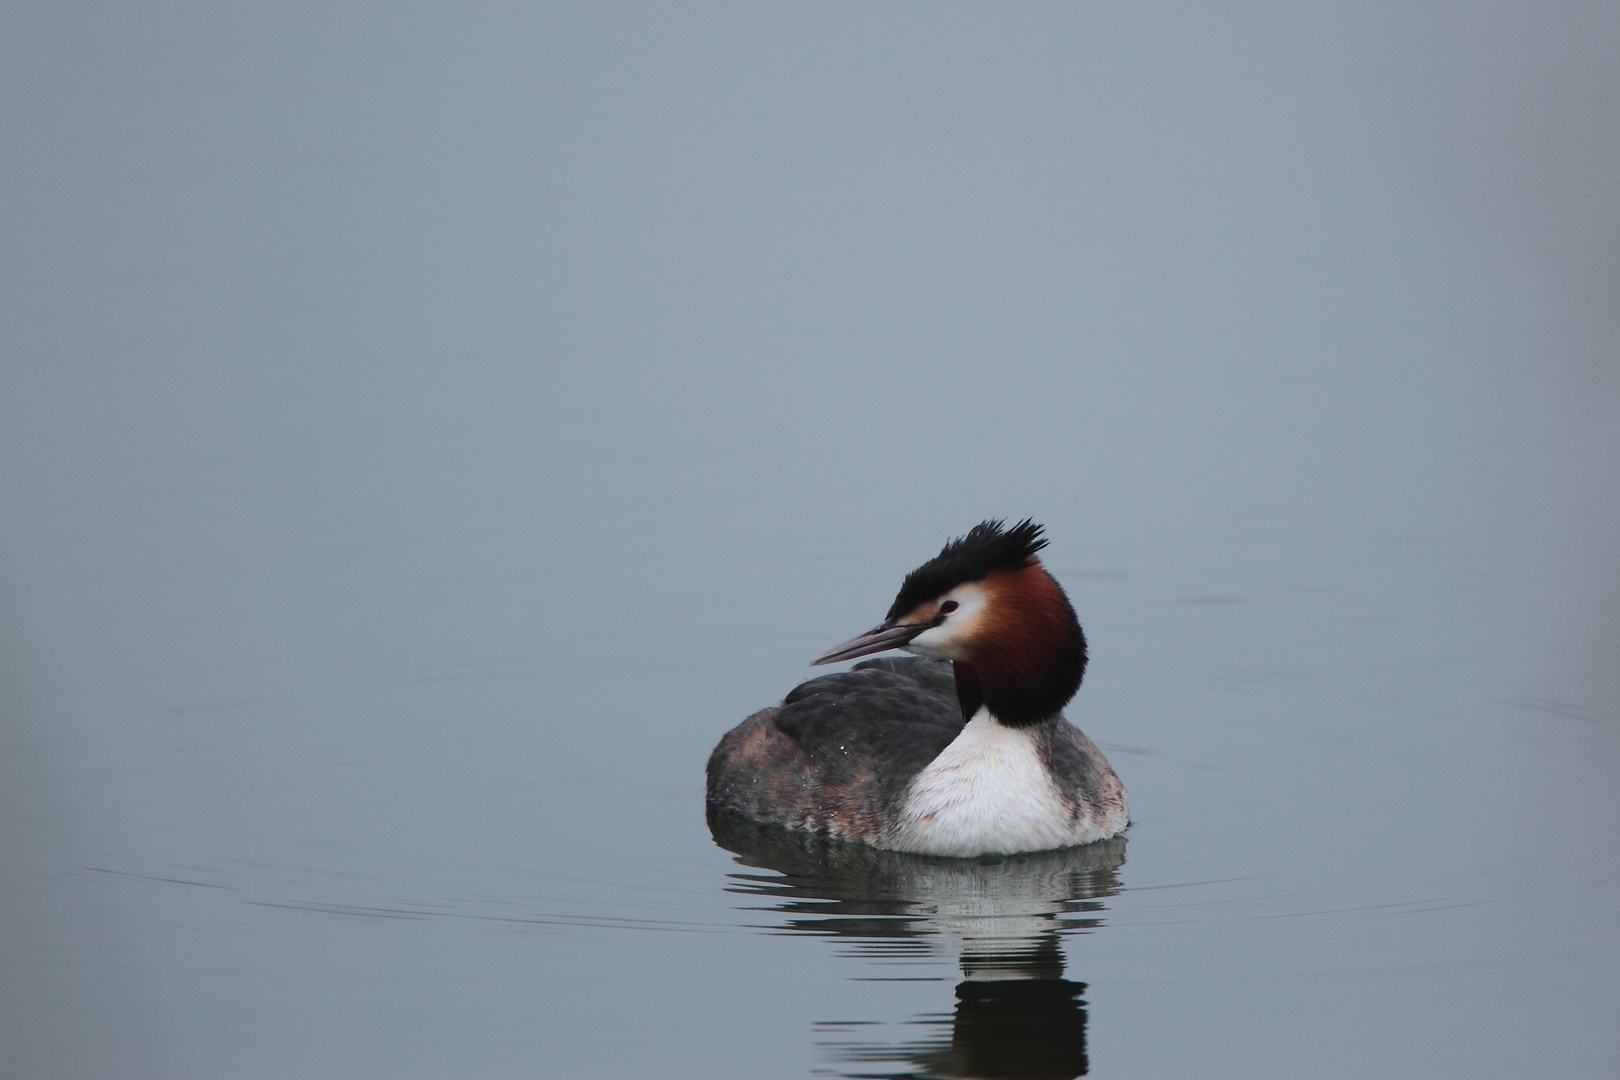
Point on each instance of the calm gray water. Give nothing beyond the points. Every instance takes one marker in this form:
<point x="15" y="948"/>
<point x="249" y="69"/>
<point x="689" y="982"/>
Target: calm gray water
<point x="424" y="431"/>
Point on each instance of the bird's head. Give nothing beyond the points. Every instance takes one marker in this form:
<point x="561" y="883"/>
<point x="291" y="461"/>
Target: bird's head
<point x="986" y="603"/>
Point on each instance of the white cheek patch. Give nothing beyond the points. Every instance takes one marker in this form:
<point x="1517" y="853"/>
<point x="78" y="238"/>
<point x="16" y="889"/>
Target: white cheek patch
<point x="948" y="641"/>
<point x="929" y="643"/>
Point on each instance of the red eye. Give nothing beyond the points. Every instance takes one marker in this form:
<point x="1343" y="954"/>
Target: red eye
<point x="947" y="607"/>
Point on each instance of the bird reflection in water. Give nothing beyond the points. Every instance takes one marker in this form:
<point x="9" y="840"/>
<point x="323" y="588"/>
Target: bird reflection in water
<point x="1015" y="1014"/>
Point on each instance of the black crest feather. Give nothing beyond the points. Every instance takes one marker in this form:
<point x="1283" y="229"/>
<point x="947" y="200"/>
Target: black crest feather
<point x="988" y="546"/>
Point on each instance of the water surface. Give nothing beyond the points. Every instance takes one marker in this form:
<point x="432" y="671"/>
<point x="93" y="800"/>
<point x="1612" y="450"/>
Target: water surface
<point x="423" y="433"/>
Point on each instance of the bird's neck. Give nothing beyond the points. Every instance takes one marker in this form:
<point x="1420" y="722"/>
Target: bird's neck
<point x="1023" y="693"/>
<point x="1029" y="654"/>
<point x="969" y="694"/>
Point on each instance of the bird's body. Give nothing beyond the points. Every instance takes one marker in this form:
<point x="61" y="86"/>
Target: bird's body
<point x="959" y="758"/>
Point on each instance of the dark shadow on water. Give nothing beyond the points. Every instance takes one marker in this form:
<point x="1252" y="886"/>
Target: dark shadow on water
<point x="1000" y="916"/>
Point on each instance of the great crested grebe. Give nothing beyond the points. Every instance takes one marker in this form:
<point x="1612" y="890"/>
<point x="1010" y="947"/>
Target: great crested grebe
<point x="966" y="758"/>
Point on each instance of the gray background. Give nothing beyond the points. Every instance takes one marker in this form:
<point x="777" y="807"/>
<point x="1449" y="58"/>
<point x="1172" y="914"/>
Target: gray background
<point x="425" y="429"/>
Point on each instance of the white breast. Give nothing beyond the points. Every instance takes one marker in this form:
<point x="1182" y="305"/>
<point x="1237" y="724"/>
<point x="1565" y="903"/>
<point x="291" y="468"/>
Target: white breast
<point x="988" y="791"/>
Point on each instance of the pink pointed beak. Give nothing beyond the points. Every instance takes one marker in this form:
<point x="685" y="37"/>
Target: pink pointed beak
<point x="874" y="640"/>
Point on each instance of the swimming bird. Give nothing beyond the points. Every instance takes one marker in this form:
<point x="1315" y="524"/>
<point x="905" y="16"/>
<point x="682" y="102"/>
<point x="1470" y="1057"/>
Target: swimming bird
<point x="962" y="751"/>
